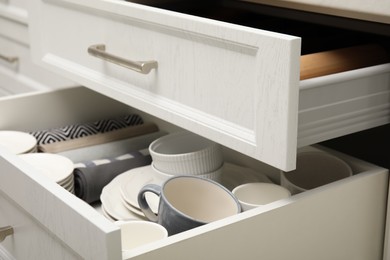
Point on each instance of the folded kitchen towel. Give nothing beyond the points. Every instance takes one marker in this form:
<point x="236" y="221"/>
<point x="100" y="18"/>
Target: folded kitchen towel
<point x="99" y="138"/>
<point x="86" y="129"/>
<point x="90" y="177"/>
<point x="111" y="149"/>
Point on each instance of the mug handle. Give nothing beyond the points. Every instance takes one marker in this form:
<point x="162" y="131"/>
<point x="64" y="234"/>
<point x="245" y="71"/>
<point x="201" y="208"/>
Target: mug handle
<point x="143" y="204"/>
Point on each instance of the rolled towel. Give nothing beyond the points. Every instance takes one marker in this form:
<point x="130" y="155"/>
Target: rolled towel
<point x="74" y="131"/>
<point x="99" y="138"/>
<point x="111" y="149"/>
<point x="90" y="177"/>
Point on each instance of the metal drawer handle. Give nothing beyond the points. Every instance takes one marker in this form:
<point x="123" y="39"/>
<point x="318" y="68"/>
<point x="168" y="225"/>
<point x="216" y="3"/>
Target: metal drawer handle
<point x="144" y="67"/>
<point x="9" y="59"/>
<point x="5" y="231"/>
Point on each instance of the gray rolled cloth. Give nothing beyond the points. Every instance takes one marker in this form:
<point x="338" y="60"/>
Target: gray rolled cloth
<point x="91" y="177"/>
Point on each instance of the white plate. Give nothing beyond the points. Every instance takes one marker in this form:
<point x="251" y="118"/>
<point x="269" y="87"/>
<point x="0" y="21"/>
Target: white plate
<point x="68" y="186"/>
<point x="67" y="181"/>
<point x="136" y="179"/>
<point x="112" y="201"/>
<point x="58" y="168"/>
<point x="17" y="142"/>
<point x="106" y="215"/>
<point x="138" y="211"/>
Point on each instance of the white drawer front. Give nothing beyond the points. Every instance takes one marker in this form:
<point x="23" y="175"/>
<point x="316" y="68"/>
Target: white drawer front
<point x="30" y="239"/>
<point x="213" y="78"/>
<point x="19" y="74"/>
<point x="342" y="220"/>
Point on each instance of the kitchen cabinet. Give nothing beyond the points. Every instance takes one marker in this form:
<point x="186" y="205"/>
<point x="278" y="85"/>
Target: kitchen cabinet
<point x="18" y="74"/>
<point x="232" y="80"/>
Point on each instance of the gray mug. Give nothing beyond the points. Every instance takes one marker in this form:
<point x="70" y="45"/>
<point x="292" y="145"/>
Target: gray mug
<point x="188" y="201"/>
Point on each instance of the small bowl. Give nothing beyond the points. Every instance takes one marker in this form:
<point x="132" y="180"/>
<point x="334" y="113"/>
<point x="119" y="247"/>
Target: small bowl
<point x="255" y="194"/>
<point x="314" y="169"/>
<point x="185" y="153"/>
<point x="135" y="233"/>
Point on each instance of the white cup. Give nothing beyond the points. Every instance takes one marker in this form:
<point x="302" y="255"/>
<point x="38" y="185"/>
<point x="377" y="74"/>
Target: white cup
<point x="314" y="169"/>
<point x="135" y="233"/>
<point x="256" y="194"/>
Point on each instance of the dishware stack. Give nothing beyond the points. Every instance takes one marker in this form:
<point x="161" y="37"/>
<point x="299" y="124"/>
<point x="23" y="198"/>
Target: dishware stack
<point x="18" y="142"/>
<point x="118" y="206"/>
<point x="185" y="153"/>
<point x="56" y="167"/>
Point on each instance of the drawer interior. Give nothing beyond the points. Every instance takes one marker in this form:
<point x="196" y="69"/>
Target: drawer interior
<point x="68" y="106"/>
<point x="317" y="35"/>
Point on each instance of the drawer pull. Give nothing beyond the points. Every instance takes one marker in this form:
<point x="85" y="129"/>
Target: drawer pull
<point x="9" y="59"/>
<point x="5" y="231"/>
<point x="144" y="67"/>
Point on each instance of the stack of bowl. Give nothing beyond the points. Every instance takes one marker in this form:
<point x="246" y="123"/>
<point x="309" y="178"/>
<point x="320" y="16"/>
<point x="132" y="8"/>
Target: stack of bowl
<point x="185" y="153"/>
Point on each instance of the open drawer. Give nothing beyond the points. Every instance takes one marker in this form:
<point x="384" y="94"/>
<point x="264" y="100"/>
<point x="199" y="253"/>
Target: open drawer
<point x="237" y="85"/>
<point x="342" y="220"/>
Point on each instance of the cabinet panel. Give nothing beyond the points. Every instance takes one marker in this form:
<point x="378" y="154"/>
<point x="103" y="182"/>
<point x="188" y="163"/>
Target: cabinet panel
<point x="213" y="78"/>
<point x="30" y="239"/>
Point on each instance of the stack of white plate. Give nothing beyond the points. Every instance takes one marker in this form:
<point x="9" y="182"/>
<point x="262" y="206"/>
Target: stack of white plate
<point x="18" y="142"/>
<point x="114" y="207"/>
<point x="56" y="167"/>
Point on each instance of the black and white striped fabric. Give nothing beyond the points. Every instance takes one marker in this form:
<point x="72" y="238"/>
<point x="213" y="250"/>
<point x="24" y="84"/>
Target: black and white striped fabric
<point x="85" y="129"/>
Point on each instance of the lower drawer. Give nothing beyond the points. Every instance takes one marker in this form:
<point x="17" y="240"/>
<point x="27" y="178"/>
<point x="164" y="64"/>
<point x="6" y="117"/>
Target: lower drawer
<point x="30" y="240"/>
<point x="342" y="220"/>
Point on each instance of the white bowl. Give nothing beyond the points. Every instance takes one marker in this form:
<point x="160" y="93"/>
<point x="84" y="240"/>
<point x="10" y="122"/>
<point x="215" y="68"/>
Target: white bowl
<point x="255" y="194"/>
<point x="185" y="153"/>
<point x="135" y="233"/>
<point x="314" y="169"/>
<point x="215" y="175"/>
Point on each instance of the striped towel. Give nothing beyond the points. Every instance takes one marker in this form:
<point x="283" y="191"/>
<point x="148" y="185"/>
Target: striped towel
<point x="74" y="131"/>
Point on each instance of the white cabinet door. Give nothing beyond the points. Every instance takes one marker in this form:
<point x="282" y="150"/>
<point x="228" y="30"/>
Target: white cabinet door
<point x="232" y="84"/>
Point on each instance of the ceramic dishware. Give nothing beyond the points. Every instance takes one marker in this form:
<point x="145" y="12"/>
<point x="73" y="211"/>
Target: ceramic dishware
<point x="314" y="169"/>
<point x="135" y="233"/>
<point x="187" y="202"/>
<point x="185" y="153"/>
<point x="214" y="175"/>
<point x="18" y="142"/>
<point x="256" y="194"/>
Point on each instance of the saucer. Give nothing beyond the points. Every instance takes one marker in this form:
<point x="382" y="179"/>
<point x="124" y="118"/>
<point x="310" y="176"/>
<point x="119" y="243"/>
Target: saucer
<point x="138" y="178"/>
<point x="112" y="201"/>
